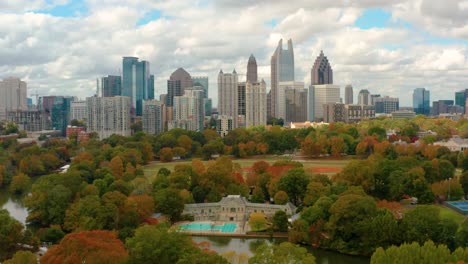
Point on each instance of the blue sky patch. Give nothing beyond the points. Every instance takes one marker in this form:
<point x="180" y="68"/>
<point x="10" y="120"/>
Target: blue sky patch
<point x="150" y="16"/>
<point x="74" y="8"/>
<point x="272" y="23"/>
<point x="373" y="18"/>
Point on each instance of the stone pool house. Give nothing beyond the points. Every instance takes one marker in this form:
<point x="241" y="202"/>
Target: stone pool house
<point x="234" y="208"/>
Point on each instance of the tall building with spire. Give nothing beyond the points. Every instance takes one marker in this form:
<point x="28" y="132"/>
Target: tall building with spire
<point x="282" y="70"/>
<point x="349" y="94"/>
<point x="228" y="95"/>
<point x="176" y="85"/>
<point x="321" y="72"/>
<point x="252" y="75"/>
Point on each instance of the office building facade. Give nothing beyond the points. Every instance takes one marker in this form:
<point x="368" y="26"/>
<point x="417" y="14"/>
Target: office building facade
<point x="111" y="86"/>
<point x="282" y="70"/>
<point x="252" y="74"/>
<point x="203" y="82"/>
<point x="78" y="110"/>
<point x="13" y="96"/>
<point x="364" y="97"/>
<point x="152" y="117"/>
<point x="281" y="98"/>
<point x="386" y="105"/>
<point x="255" y="104"/>
<point x="60" y="115"/>
<point x="136" y="82"/>
<point x="228" y="95"/>
<point x="296" y="105"/>
<point x="349" y="94"/>
<point x="109" y="115"/>
<point x="176" y="85"/>
<point x="421" y="101"/>
<point x="321" y="72"/>
<point x="324" y="94"/>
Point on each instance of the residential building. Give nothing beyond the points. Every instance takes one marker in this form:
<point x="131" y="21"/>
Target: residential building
<point x="364" y="97"/>
<point x="208" y="106"/>
<point x="241" y="102"/>
<point x="454" y="144"/>
<point x="13" y="96"/>
<point x="176" y="85"/>
<point x="60" y="115"/>
<point x="442" y="107"/>
<point x="224" y="124"/>
<point x="421" y="101"/>
<point x="78" y="110"/>
<point x="188" y="111"/>
<point x="252" y="75"/>
<point x="153" y="117"/>
<point x="255" y="104"/>
<point x="111" y="86"/>
<point x="46" y="103"/>
<point x="324" y="94"/>
<point x="136" y="82"/>
<point x="321" y="72"/>
<point x="109" y="115"/>
<point x="334" y="112"/>
<point x="29" y="120"/>
<point x="386" y="105"/>
<point x="201" y="81"/>
<point x="349" y="94"/>
<point x="296" y="105"/>
<point x="228" y="95"/>
<point x="357" y="113"/>
<point x="282" y="70"/>
<point x="74" y="130"/>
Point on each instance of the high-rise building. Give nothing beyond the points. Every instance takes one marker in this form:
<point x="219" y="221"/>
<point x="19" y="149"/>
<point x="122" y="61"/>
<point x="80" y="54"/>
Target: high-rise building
<point x="373" y="97"/>
<point x="228" y="101"/>
<point x="241" y="103"/>
<point x="349" y="94"/>
<point x="442" y="107"/>
<point x="176" y="85"/>
<point x="421" y="101"/>
<point x="151" y="87"/>
<point x="321" y="72"/>
<point x="281" y="99"/>
<point x="255" y="103"/>
<point x="61" y="113"/>
<point x="224" y="124"/>
<point x="296" y="105"/>
<point x="252" y="75"/>
<point x="78" y="111"/>
<point x="189" y="110"/>
<point x="152" y="117"/>
<point x="29" y="120"/>
<point x="136" y="82"/>
<point x="334" y="112"/>
<point x="282" y="70"/>
<point x="324" y="94"/>
<point x="13" y="96"/>
<point x="386" y="105"/>
<point x="460" y="98"/>
<point x="357" y="113"/>
<point x="208" y="105"/>
<point x="46" y="103"/>
<point x="109" y="115"/>
<point x="201" y="81"/>
<point x="111" y="86"/>
<point x="364" y="97"/>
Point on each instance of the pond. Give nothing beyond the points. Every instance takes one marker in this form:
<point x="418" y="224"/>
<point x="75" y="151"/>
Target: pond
<point x="247" y="246"/>
<point x="14" y="205"/>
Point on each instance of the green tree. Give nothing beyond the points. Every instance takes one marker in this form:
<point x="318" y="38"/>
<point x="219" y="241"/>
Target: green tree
<point x="294" y="183"/>
<point x="20" y="183"/>
<point x="283" y="253"/>
<point x="11" y="234"/>
<point x="281" y="197"/>
<point x="169" y="202"/>
<point x="258" y="222"/>
<point x="421" y="224"/>
<point x="464" y="183"/>
<point x="280" y="221"/>
<point x="22" y="257"/>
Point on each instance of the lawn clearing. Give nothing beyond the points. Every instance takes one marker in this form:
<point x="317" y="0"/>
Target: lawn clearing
<point x="447" y="213"/>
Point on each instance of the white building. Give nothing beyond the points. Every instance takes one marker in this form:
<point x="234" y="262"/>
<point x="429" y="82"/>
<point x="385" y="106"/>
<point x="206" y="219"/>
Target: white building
<point x="281" y="98"/>
<point x="255" y="104"/>
<point x="78" y="110"/>
<point x="454" y="144"/>
<point x="109" y="115"/>
<point x="224" y="124"/>
<point x="324" y="94"/>
<point x="228" y="95"/>
<point x="189" y="111"/>
<point x="13" y="96"/>
<point x="152" y="117"/>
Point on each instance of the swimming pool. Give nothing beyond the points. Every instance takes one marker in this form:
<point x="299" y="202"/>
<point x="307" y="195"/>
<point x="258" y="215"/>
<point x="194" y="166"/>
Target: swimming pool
<point x="205" y="227"/>
<point x="461" y="206"/>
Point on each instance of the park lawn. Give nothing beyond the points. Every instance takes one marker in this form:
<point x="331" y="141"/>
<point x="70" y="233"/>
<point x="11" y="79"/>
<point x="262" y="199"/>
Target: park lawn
<point x="309" y="164"/>
<point x="447" y="213"/>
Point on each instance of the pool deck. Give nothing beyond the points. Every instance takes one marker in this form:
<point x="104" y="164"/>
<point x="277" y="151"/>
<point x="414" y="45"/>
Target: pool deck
<point x="242" y="230"/>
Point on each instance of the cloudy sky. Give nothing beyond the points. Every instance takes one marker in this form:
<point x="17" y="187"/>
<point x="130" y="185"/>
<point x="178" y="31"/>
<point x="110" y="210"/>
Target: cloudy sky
<point x="387" y="46"/>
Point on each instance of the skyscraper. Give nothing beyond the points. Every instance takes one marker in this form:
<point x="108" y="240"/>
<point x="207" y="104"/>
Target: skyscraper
<point x="364" y="97"/>
<point x="421" y="101"/>
<point x="111" y="86"/>
<point x="296" y="105"/>
<point x="189" y="111"/>
<point x="349" y="94"/>
<point x="255" y="103"/>
<point x="228" y="95"/>
<point x="252" y="70"/>
<point x="136" y="81"/>
<point x="179" y="80"/>
<point x="241" y="102"/>
<point x="13" y="94"/>
<point x="152" y="117"/>
<point x="386" y="105"/>
<point x="282" y="70"/>
<point x="281" y="98"/>
<point x="201" y="81"/>
<point x="321" y="72"/>
<point x="324" y="94"/>
<point x="460" y="98"/>
<point x="61" y="113"/>
<point x="109" y="115"/>
<point x="78" y="111"/>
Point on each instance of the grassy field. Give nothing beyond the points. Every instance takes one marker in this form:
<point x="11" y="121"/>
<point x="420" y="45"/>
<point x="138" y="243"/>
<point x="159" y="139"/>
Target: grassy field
<point x="448" y="213"/>
<point x="154" y="167"/>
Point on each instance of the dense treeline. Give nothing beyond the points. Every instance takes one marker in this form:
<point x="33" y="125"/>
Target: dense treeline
<point x="354" y="212"/>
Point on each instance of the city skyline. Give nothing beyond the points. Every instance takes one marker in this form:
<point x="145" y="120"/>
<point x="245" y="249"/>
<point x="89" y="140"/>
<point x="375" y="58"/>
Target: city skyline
<point x="61" y="47"/>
